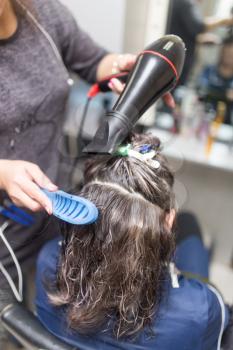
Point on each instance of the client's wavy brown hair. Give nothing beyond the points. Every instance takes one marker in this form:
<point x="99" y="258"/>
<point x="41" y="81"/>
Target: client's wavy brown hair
<point x="111" y="273"/>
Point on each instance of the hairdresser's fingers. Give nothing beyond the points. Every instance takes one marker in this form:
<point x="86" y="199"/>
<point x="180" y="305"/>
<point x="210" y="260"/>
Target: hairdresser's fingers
<point x="126" y="62"/>
<point x="169" y="100"/>
<point x="21" y="180"/>
<point x="40" y="178"/>
<point x="116" y="86"/>
<point x="21" y="199"/>
<point x="34" y="192"/>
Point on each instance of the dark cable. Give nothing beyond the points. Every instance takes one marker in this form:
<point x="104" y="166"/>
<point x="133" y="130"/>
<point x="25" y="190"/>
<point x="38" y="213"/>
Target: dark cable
<point x="82" y="122"/>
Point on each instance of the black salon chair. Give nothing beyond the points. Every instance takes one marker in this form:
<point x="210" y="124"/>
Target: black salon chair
<point x="29" y="332"/>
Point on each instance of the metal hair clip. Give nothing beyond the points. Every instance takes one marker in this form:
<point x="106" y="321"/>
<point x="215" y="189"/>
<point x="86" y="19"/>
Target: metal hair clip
<point x="146" y="157"/>
<point x="154" y="163"/>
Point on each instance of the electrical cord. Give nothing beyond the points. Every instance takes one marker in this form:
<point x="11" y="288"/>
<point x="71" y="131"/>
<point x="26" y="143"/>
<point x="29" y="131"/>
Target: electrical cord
<point x="82" y="122"/>
<point x="17" y="293"/>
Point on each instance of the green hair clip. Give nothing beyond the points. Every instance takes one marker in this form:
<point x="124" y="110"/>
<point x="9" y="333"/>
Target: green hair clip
<point x="123" y="151"/>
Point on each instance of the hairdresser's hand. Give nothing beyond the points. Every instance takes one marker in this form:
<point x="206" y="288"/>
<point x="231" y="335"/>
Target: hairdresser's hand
<point x="123" y="63"/>
<point x="21" y="180"/>
<point x="126" y="63"/>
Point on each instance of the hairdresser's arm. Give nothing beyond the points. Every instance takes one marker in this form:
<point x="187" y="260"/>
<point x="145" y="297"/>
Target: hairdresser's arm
<point x="212" y="23"/>
<point x="21" y="180"/>
<point x="193" y="22"/>
<point x="82" y="55"/>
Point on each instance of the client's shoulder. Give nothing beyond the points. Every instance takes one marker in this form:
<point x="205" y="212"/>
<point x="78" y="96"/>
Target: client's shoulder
<point x="190" y="297"/>
<point x="196" y="298"/>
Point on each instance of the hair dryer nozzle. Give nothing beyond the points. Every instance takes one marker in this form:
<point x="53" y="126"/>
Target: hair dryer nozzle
<point x="114" y="128"/>
<point x="156" y="72"/>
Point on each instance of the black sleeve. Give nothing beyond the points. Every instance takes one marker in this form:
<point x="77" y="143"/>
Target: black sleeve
<point x="191" y="18"/>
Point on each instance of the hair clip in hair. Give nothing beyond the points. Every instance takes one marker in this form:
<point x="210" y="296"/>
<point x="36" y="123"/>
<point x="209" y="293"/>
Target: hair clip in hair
<point x="145" y="154"/>
<point x="145" y="148"/>
<point x="154" y="163"/>
<point x="147" y="157"/>
<point x="141" y="156"/>
<point x="123" y="151"/>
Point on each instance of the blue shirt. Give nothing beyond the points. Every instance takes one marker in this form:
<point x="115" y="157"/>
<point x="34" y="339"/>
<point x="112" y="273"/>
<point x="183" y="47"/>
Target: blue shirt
<point x="210" y="78"/>
<point x="189" y="318"/>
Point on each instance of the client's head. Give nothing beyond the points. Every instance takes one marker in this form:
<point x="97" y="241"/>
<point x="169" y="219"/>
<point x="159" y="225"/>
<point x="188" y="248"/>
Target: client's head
<point x="112" y="272"/>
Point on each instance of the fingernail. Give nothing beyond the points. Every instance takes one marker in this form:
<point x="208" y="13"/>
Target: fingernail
<point x="49" y="209"/>
<point x="51" y="187"/>
<point x="110" y="84"/>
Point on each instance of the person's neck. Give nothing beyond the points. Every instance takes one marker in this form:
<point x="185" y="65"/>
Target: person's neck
<point x="8" y="21"/>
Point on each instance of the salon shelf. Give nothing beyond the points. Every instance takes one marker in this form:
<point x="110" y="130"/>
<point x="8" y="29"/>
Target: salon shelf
<point x="184" y="148"/>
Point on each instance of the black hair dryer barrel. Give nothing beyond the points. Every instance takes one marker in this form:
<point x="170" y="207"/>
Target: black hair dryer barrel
<point x="156" y="72"/>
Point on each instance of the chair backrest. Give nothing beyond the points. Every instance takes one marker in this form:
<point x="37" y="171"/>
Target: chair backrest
<point x="227" y="340"/>
<point x="28" y="330"/>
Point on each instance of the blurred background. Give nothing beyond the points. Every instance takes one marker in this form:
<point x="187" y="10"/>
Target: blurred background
<point x="198" y="135"/>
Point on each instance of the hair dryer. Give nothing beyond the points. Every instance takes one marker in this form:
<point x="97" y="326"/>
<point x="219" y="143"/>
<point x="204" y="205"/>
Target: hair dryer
<point x="155" y="72"/>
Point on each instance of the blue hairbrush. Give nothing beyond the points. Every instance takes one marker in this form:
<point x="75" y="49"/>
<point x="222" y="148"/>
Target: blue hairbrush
<point x="72" y="209"/>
